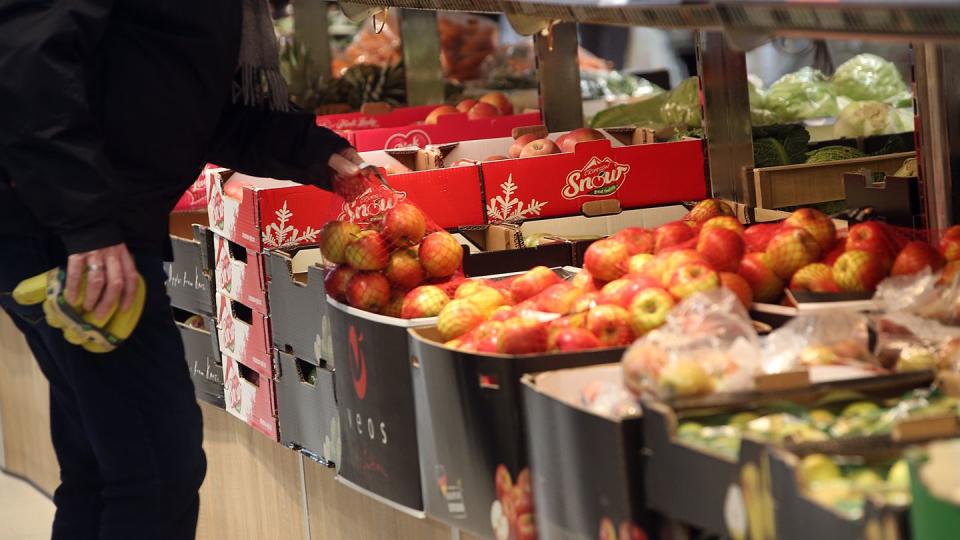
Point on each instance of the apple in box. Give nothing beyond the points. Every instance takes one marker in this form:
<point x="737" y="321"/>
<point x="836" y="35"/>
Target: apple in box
<point x="568" y="141"/>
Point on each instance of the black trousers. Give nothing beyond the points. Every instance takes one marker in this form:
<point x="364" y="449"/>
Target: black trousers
<point x="126" y="427"/>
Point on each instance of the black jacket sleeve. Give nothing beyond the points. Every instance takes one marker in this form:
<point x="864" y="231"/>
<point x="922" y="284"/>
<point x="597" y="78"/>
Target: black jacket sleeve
<point x="288" y="146"/>
<point x="52" y="145"/>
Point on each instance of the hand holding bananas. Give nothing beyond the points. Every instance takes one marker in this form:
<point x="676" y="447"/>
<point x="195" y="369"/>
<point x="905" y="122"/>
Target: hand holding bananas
<point x="97" y="301"/>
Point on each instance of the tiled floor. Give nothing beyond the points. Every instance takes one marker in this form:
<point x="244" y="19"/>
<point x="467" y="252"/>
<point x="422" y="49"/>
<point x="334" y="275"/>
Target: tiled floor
<point x="26" y="514"/>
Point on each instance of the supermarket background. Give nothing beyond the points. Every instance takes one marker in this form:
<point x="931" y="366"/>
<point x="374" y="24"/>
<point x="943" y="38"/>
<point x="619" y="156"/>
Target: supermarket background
<point x="805" y="396"/>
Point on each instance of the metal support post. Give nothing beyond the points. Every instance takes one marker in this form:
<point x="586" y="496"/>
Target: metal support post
<point x="558" y="69"/>
<point x="937" y="76"/>
<point x="310" y="29"/>
<point x="421" y="56"/>
<point x="726" y="117"/>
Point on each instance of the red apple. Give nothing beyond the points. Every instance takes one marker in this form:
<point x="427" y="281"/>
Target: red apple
<point x="757" y="236"/>
<point x="572" y="339"/>
<point x="722" y="248"/>
<point x="523" y="336"/>
<point x="539" y="147"/>
<point x="621" y="291"/>
<point x="498" y="100"/>
<point x="558" y="298"/>
<point x="871" y="236"/>
<point x="707" y="209"/>
<point x="503" y="483"/>
<point x="858" y="270"/>
<point x="950" y="272"/>
<point x="671" y="234"/>
<point x="532" y="282"/>
<point x="466" y="104"/>
<point x="950" y="244"/>
<point x="818" y="224"/>
<point x="790" y="250"/>
<point x="738" y="286"/>
<point x="691" y="279"/>
<point x="611" y="325"/>
<point x="606" y="259"/>
<point x="569" y="141"/>
<point x="336" y="282"/>
<point x="482" y="110"/>
<point x="495" y="157"/>
<point x="637" y="239"/>
<point x="815" y="277"/>
<point x="649" y="310"/>
<point x="724" y="222"/>
<point x="438" y="112"/>
<point x="916" y="256"/>
<point x="766" y="285"/>
<point x="520" y="142"/>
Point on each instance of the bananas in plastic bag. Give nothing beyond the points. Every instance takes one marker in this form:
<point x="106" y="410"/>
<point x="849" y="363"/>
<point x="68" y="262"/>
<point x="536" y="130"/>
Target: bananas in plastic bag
<point x="96" y="335"/>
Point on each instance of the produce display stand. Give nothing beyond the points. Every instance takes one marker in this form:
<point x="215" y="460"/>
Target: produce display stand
<point x="256" y="488"/>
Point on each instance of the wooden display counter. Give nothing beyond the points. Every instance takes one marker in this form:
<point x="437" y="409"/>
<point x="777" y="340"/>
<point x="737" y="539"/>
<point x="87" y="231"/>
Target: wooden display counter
<point x="254" y="488"/>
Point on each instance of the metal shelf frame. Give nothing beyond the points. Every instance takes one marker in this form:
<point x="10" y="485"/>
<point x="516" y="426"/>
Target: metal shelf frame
<point x="724" y="29"/>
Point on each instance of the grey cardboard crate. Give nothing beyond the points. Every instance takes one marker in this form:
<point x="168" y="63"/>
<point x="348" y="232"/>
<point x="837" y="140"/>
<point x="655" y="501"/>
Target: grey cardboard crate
<point x="307" y="409"/>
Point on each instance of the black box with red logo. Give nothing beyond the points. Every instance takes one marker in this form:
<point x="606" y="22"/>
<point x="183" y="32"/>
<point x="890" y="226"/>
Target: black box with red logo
<point x="472" y="434"/>
<point x="307" y="409"/>
<point x="601" y="460"/>
<point x="375" y="401"/>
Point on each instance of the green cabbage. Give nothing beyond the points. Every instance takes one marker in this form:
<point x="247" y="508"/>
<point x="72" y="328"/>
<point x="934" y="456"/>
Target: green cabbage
<point x="866" y="118"/>
<point x="682" y="106"/>
<point x="801" y="95"/>
<point x="867" y="77"/>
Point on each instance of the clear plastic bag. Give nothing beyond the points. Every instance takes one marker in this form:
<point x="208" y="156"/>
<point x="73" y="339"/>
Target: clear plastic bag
<point x="707" y="345"/>
<point x="821" y="339"/>
<point x="800" y="95"/>
<point x="465" y="43"/>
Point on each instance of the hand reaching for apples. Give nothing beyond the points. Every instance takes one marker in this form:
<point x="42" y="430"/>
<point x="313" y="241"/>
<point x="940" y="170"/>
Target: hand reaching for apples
<point x="345" y="163"/>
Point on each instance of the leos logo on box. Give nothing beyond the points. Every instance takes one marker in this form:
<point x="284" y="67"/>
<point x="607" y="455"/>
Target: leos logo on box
<point x="598" y="178"/>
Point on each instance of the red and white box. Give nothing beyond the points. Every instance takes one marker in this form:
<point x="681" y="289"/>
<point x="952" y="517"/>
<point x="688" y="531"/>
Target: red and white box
<point x="250" y="396"/>
<point x="264" y="214"/>
<point x="240" y="274"/>
<point x="245" y="334"/>
<point x="449" y="128"/>
<point x="381" y="116"/>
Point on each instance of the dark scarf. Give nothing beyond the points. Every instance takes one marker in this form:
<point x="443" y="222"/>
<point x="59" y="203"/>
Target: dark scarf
<point x="260" y="83"/>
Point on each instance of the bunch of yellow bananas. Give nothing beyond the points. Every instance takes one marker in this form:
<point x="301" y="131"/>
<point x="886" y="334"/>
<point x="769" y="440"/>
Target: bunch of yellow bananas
<point x="83" y="328"/>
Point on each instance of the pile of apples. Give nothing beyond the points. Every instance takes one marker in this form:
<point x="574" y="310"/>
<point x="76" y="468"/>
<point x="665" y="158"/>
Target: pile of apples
<point x="532" y="145"/>
<point x="512" y="514"/>
<point x="383" y="267"/>
<point x="489" y="105"/>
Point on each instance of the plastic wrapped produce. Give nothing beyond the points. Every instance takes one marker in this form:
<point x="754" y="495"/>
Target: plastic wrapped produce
<point x="801" y="95"/>
<point x="682" y="106"/>
<point x="465" y="43"/>
<point x="866" y="118"/>
<point x="823" y="339"/>
<point x="867" y="77"/>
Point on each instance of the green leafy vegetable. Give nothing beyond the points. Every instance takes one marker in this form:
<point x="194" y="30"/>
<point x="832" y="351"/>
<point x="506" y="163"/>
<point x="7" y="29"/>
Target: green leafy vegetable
<point x="644" y="113"/>
<point x="867" y="77"/>
<point x="682" y="106"/>
<point x="833" y="153"/>
<point x="792" y="142"/>
<point x="866" y="118"/>
<point x="803" y="94"/>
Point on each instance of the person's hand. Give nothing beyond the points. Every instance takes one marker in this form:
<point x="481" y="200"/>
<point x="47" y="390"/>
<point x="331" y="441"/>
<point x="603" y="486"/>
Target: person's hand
<point x="345" y="163"/>
<point x="111" y="277"/>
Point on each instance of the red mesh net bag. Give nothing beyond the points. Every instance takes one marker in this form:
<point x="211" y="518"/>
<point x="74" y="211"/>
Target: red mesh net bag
<point x="385" y="249"/>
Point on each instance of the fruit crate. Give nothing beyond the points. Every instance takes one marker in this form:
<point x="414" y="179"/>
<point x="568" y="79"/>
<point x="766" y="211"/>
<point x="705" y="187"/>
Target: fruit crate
<point x="471" y="430"/>
<point x="448" y="129"/>
<point x="307" y="409"/>
<point x="245" y="334"/>
<point x="250" y="396"/>
<point x="376" y="408"/>
<point x="813" y="183"/>
<point x="240" y="274"/>
<point x="678" y="475"/>
<point x="375" y="115"/>
<point x="300" y="324"/>
<point x="610" y="490"/>
<point x="189" y="283"/>
<point x="796" y="515"/>
<point x="202" y="353"/>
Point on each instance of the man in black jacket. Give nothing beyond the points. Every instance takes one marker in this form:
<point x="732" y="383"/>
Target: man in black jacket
<point x="108" y="111"/>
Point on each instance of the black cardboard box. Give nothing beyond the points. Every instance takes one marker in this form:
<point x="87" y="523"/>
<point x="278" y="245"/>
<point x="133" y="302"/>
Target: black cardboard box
<point x="307" y="409"/>
<point x="587" y="468"/>
<point x="470" y="426"/>
<point x="298" y="305"/>
<point x="202" y="352"/>
<point x="375" y="402"/>
<point x="189" y="281"/>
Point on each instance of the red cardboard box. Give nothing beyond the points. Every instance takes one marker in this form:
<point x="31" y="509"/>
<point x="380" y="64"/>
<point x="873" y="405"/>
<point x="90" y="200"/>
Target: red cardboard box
<point x="240" y="274"/>
<point x="250" y="396"/>
<point x="402" y="116"/>
<point x="245" y="334"/>
<point x="561" y="184"/>
<point x="275" y="214"/>
<point x="448" y="129"/>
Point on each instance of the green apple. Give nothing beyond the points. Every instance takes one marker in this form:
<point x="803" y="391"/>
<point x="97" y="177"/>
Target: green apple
<point x="821" y="418"/>
<point x="816" y="468"/>
<point x="860" y="408"/>
<point x="898" y="477"/>
<point x="866" y="480"/>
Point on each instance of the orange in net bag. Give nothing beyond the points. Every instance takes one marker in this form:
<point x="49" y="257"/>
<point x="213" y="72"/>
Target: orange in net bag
<point x="390" y="258"/>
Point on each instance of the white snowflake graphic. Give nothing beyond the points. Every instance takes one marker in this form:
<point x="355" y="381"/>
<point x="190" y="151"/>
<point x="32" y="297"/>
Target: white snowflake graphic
<point x="281" y="235"/>
<point x="508" y="208"/>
